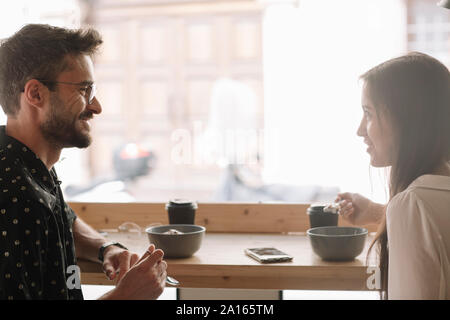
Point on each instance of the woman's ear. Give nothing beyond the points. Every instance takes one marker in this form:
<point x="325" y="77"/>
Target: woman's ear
<point x="35" y="93"/>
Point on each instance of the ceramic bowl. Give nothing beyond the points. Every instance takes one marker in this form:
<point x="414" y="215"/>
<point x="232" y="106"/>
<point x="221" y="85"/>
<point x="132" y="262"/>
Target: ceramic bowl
<point x="337" y="243"/>
<point x="177" y="245"/>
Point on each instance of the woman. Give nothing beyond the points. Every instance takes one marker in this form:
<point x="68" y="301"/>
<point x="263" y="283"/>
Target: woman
<point x="406" y="125"/>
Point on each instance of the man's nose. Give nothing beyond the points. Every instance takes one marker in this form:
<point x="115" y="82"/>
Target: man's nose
<point x="95" y="106"/>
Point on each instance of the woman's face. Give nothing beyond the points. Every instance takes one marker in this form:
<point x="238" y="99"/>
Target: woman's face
<point x="376" y="131"/>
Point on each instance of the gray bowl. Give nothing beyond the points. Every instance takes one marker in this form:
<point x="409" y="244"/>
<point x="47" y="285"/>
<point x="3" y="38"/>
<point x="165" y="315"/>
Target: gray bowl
<point x="337" y="243"/>
<point x="177" y="245"/>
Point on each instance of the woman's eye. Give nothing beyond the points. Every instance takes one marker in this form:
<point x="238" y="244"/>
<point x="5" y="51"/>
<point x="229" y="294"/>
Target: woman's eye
<point x="366" y="114"/>
<point x="83" y="90"/>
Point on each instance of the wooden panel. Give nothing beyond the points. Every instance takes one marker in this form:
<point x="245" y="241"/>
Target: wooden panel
<point x="167" y="55"/>
<point x="153" y="44"/>
<point x="145" y="8"/>
<point x="216" y="217"/>
<point x="199" y="43"/>
<point x="198" y="96"/>
<point x="111" y="50"/>
<point x="154" y="95"/>
<point x="247" y="39"/>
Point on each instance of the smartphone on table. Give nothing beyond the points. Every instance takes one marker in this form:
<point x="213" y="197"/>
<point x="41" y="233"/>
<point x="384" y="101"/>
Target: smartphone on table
<point x="268" y="255"/>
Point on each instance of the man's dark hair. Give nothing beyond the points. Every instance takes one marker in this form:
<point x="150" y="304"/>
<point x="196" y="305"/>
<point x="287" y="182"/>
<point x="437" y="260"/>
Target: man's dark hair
<point x="39" y="51"/>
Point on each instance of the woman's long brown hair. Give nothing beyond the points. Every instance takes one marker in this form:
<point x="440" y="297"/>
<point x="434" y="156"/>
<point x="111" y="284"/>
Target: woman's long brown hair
<point x="413" y="93"/>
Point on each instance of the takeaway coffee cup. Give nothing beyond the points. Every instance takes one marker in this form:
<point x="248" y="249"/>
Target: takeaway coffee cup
<point x="181" y="211"/>
<point x="320" y="218"/>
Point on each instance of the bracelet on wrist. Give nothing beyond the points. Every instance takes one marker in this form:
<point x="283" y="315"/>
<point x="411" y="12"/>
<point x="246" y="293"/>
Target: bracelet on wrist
<point x="102" y="249"/>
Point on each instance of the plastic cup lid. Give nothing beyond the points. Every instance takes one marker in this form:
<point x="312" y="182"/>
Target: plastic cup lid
<point x="182" y="203"/>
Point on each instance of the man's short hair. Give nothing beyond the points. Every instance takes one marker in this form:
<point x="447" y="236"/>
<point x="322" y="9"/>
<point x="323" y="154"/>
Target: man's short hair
<point x="39" y="51"/>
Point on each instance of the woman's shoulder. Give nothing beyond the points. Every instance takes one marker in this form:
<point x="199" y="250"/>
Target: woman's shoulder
<point x="426" y="194"/>
<point x="424" y="186"/>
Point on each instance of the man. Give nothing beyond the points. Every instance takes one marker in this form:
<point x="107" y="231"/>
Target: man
<point x="47" y="91"/>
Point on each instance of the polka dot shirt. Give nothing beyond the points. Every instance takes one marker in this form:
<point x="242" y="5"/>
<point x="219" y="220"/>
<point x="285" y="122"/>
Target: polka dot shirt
<point x="36" y="240"/>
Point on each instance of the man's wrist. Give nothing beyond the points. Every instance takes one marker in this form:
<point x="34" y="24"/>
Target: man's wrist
<point x="105" y="246"/>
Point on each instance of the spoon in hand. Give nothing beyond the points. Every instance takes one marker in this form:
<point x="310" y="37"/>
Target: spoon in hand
<point x="172" y="281"/>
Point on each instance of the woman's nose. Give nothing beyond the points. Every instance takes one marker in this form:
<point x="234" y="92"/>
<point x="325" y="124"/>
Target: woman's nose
<point x="361" y="132"/>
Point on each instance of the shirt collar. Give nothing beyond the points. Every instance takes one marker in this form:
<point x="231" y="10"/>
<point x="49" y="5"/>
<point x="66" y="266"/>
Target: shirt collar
<point x="45" y="178"/>
<point x="431" y="181"/>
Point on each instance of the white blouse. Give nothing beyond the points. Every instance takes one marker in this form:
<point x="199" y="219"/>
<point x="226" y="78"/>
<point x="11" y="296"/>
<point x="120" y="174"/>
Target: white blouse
<point x="418" y="228"/>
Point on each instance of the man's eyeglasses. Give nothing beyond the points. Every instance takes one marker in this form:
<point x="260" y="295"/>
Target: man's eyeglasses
<point x="90" y="88"/>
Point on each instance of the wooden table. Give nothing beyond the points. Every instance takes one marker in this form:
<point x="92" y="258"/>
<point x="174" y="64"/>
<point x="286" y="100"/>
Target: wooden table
<point x="222" y="263"/>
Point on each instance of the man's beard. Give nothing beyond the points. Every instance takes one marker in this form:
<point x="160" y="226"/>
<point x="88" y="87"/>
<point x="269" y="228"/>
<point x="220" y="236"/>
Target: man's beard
<point x="60" y="130"/>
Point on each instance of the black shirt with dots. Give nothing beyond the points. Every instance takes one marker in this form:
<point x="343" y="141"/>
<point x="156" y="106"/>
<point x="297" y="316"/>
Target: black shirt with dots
<point x="37" y="252"/>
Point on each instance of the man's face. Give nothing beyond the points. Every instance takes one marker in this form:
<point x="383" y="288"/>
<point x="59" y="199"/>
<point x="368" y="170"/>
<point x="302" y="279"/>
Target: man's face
<point x="376" y="131"/>
<point x="66" y="122"/>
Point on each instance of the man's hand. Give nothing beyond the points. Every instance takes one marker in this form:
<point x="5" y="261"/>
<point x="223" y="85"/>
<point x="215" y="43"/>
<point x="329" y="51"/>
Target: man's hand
<point x="144" y="280"/>
<point x="117" y="261"/>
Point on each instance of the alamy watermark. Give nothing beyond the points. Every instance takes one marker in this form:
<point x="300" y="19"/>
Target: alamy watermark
<point x="373" y="282"/>
<point x="220" y="146"/>
<point x="74" y="279"/>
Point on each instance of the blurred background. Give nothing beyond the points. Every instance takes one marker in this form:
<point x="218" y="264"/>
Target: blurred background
<point x="238" y="100"/>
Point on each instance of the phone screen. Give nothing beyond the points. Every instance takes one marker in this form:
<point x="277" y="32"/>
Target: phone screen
<point x="266" y="255"/>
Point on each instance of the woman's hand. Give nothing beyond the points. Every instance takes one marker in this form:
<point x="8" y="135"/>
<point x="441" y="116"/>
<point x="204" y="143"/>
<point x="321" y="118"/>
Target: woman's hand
<point x="359" y="210"/>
